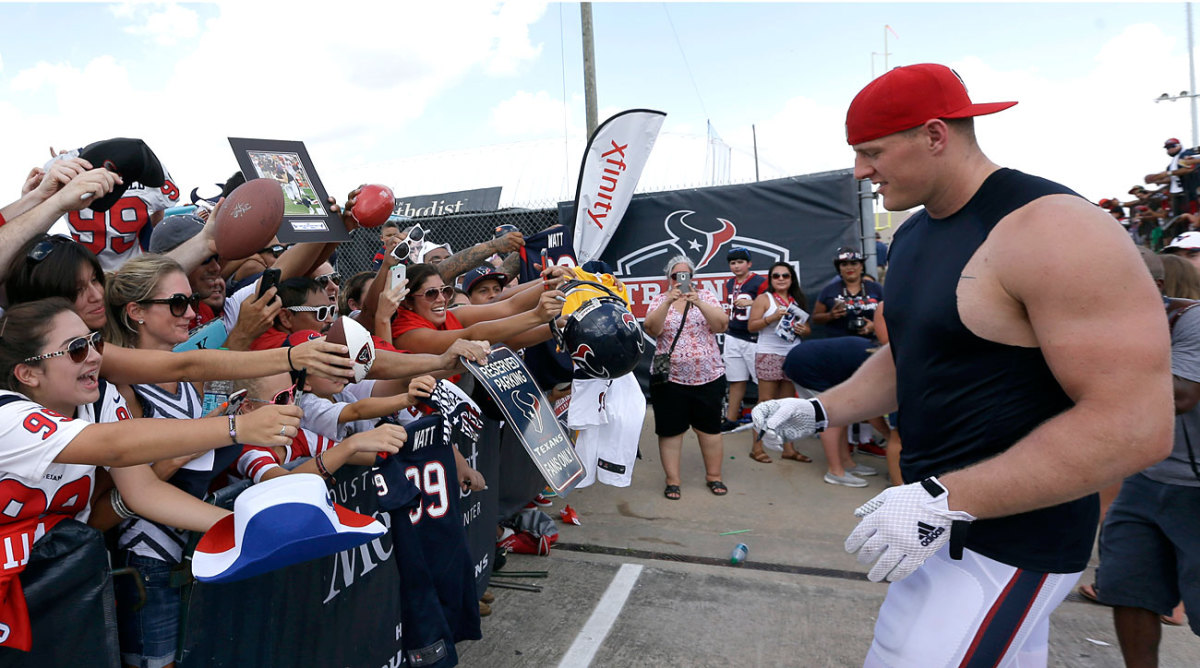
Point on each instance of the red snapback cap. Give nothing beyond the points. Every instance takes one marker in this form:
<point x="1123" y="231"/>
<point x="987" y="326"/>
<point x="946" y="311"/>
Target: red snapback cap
<point x="908" y="96"/>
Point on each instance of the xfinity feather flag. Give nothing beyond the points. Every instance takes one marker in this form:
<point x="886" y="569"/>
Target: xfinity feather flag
<point x="612" y="165"/>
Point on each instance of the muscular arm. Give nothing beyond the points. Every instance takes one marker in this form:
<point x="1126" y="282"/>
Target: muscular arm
<point x="467" y="259"/>
<point x="1099" y="321"/>
<point x="869" y="393"/>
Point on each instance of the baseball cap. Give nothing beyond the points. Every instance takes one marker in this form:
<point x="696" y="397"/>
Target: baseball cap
<point x="484" y="272"/>
<point x="1171" y="142"/>
<point x="1185" y="241"/>
<point x="173" y="231"/>
<point x="1153" y="262"/>
<point x="908" y="96"/>
<point x="132" y="159"/>
<point x="737" y="253"/>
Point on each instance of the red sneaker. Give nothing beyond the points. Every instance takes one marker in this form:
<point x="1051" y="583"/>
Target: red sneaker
<point x="872" y="449"/>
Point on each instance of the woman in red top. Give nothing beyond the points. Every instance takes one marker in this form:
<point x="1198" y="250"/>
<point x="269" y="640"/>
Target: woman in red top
<point x="424" y="324"/>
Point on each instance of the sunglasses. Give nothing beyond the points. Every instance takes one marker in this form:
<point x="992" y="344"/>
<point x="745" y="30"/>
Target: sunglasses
<point x="446" y="291"/>
<point x="325" y="279"/>
<point x="77" y="349"/>
<point x="323" y="313"/>
<point x="275" y="250"/>
<point x="179" y="303"/>
<point x="781" y="275"/>
<point x="44" y="247"/>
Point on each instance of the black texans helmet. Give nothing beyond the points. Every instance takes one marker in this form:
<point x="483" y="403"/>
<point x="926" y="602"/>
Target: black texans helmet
<point x="602" y="337"/>
<point x="847" y="254"/>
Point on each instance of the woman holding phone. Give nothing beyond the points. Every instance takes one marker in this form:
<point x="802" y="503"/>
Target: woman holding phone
<point x="685" y="322"/>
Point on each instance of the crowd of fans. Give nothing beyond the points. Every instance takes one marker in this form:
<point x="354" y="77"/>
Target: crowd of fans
<point x="133" y="314"/>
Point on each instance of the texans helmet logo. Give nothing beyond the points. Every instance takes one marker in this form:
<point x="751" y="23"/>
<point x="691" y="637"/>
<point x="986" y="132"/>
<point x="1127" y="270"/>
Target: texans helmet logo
<point x="531" y="408"/>
<point x="585" y="358"/>
<point x="364" y="355"/>
<point x="700" y="246"/>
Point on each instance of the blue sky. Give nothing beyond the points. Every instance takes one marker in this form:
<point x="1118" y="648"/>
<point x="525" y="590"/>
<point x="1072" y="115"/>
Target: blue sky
<point x="446" y="96"/>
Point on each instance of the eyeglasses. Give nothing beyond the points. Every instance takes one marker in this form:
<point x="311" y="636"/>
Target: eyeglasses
<point x="446" y="291"/>
<point x="44" y="247"/>
<point x="178" y="303"/>
<point x="323" y="313"/>
<point x="77" y="348"/>
<point x="325" y="279"/>
<point x="781" y="275"/>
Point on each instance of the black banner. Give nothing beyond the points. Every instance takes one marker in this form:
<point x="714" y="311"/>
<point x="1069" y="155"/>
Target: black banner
<point x="479" y="508"/>
<point x="342" y="610"/>
<point x="464" y="201"/>
<point x="530" y="415"/>
<point x="801" y="220"/>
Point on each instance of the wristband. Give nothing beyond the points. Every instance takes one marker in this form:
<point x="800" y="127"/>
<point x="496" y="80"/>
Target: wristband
<point x="118" y="505"/>
<point x="321" y="467"/>
<point x="233" y="429"/>
<point x="290" y="365"/>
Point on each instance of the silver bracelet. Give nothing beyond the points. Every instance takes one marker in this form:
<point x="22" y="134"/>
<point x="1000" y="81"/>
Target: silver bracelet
<point x="119" y="506"/>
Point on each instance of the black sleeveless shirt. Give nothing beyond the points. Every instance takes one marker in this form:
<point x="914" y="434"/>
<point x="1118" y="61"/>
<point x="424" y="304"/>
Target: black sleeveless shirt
<point x="964" y="399"/>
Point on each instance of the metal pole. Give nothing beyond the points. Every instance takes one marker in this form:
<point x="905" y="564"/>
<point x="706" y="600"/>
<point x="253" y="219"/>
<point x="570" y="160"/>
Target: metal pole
<point x="885" y="53"/>
<point x="1192" y="75"/>
<point x="589" y="66"/>
<point x="754" y="133"/>
<point x="866" y="212"/>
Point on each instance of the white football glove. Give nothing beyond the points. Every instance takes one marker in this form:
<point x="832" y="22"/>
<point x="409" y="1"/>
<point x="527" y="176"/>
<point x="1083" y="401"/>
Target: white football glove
<point x="784" y="420"/>
<point x="904" y="526"/>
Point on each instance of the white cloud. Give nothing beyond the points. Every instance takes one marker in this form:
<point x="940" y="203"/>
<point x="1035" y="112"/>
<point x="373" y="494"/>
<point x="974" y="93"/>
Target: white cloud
<point x="528" y="114"/>
<point x="164" y="24"/>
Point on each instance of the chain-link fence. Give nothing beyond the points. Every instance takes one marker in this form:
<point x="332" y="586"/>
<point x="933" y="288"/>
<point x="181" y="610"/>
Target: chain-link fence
<point x="461" y="230"/>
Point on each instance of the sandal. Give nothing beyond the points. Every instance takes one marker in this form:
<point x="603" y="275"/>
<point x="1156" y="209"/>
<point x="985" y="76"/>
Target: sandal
<point x="797" y="456"/>
<point x="717" y="487"/>
<point x="761" y="456"/>
<point x="672" y="492"/>
<point x="1088" y="591"/>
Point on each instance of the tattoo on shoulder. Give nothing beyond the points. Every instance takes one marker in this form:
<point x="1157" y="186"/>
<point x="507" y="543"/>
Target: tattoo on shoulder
<point x="964" y="277"/>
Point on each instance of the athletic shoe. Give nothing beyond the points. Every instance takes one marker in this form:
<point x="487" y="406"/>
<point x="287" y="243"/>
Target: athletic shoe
<point x="540" y="501"/>
<point x="849" y="480"/>
<point x="728" y="426"/>
<point x="872" y="450"/>
<point x="548" y="492"/>
<point x="862" y="469"/>
<point x="746" y="418"/>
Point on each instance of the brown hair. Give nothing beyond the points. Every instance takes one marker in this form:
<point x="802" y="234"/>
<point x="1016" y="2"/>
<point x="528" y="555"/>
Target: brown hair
<point x="23" y="332"/>
<point x="1181" y="280"/>
<point x="135" y="281"/>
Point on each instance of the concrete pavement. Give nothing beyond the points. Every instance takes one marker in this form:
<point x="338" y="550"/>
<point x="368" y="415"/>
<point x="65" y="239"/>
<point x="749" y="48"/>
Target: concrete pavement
<point x="800" y="600"/>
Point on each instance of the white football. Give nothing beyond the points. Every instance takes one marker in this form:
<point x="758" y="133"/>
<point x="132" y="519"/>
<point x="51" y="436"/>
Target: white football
<point x="354" y="336"/>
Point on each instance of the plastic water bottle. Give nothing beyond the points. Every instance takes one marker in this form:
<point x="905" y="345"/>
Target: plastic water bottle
<point x="739" y="554"/>
<point x="215" y="393"/>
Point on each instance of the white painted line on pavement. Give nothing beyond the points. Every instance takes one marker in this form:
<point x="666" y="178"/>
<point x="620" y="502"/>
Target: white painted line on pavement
<point x="583" y="650"/>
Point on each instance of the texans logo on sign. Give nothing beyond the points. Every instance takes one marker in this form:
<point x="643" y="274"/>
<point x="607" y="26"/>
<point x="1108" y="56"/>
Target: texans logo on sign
<point x="699" y="245"/>
<point x="530" y="407"/>
<point x="585" y="358"/>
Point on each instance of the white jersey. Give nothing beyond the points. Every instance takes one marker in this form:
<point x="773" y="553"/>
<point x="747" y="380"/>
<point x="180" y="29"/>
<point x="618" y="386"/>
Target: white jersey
<point x="31" y="483"/>
<point x="116" y="236"/>
<point x="609" y="416"/>
<point x="321" y="415"/>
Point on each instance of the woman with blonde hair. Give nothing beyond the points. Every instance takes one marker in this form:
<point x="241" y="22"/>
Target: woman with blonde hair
<point x="1181" y="280"/>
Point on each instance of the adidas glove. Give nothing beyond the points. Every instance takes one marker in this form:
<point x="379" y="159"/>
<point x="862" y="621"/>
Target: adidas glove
<point x="904" y="526"/>
<point x="784" y="420"/>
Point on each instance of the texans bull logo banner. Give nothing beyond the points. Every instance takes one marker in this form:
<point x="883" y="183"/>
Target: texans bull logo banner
<point x="531" y="417"/>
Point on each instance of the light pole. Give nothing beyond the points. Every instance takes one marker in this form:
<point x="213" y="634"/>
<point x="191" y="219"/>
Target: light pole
<point x="1183" y="94"/>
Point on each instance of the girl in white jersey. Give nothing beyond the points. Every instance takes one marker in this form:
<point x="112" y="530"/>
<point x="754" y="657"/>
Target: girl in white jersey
<point x="50" y="396"/>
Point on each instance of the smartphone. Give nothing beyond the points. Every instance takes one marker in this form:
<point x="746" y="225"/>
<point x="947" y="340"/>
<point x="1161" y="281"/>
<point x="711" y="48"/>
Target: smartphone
<point x="270" y="279"/>
<point x="234" y="402"/>
<point x="684" y="279"/>
<point x="398" y="273"/>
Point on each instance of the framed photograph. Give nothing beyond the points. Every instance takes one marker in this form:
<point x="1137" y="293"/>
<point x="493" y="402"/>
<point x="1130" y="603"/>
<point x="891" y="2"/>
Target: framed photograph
<point x="306" y="214"/>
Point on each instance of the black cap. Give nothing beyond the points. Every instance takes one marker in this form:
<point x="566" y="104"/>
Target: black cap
<point x="737" y="253"/>
<point x="130" y="158"/>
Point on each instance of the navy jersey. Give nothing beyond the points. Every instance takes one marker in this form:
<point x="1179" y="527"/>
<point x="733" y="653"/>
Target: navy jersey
<point x="861" y="305"/>
<point x="438" y="601"/>
<point x="548" y="366"/>
<point x="739" y="318"/>
<point x="963" y="398"/>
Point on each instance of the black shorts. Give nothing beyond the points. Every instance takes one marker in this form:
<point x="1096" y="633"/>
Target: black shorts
<point x="676" y="407"/>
